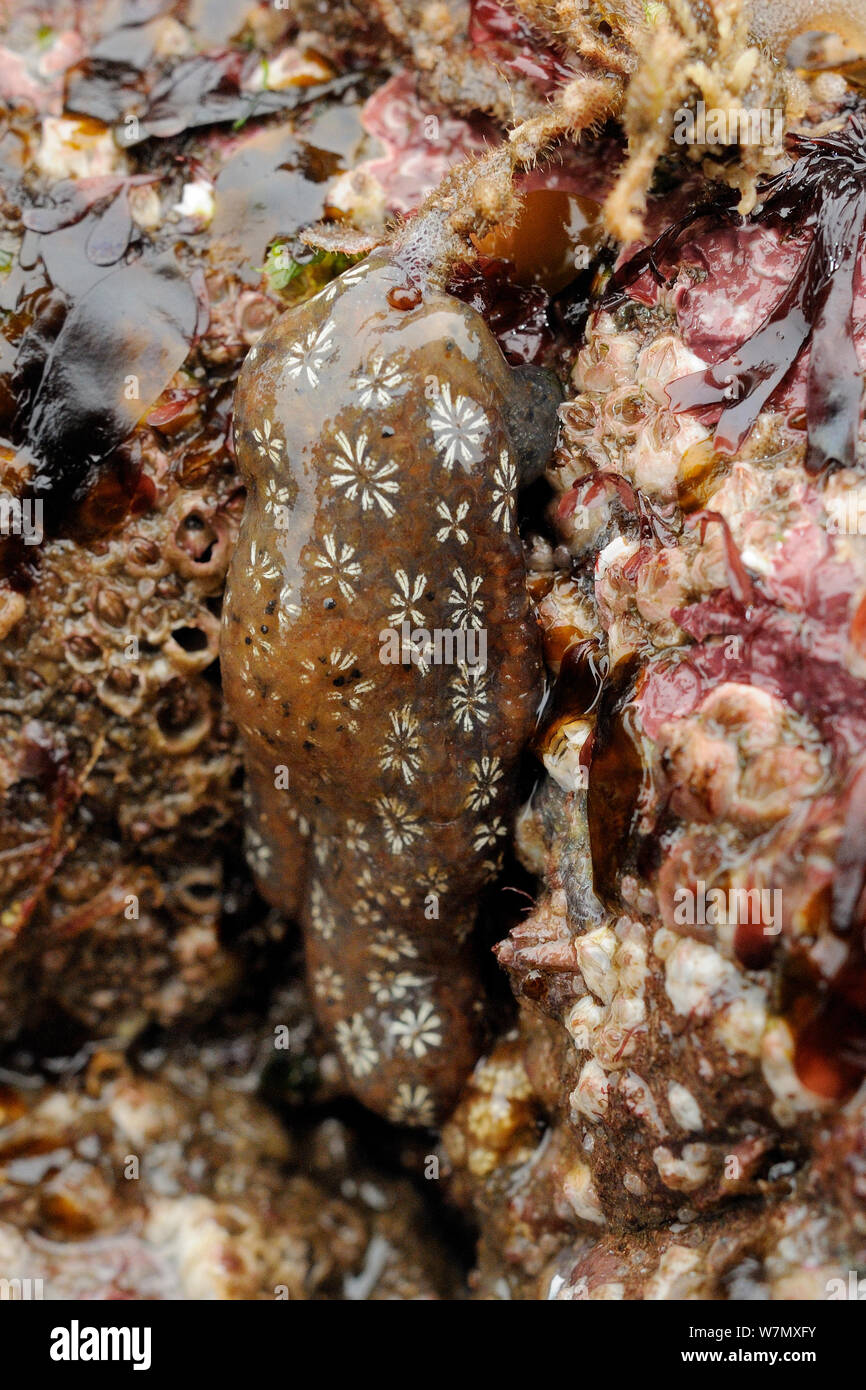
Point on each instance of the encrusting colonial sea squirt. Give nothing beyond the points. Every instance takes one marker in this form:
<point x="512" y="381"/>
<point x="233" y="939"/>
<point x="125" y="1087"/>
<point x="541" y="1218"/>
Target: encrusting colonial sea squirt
<point x="382" y="436"/>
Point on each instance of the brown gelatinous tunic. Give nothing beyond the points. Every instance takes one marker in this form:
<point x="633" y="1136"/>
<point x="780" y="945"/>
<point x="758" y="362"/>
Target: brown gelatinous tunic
<point x="375" y="430"/>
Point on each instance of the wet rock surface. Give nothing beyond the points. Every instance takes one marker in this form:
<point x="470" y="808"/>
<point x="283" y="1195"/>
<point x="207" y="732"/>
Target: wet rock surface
<point x="174" y="1183"/>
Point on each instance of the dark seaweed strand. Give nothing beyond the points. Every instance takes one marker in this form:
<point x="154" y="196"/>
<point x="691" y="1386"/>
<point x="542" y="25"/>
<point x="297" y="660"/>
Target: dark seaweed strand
<point x="824" y="190"/>
<point x="653" y="256"/>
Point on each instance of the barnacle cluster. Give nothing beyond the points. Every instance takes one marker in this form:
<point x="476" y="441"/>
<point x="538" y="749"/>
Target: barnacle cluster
<point x="115" y="639"/>
<point x="695" y="1066"/>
